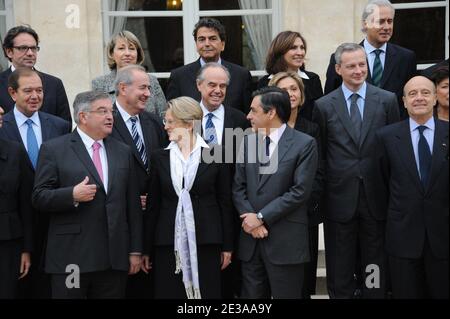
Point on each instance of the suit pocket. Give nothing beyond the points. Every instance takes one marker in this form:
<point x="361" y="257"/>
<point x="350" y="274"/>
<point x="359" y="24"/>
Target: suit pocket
<point x="67" y="229"/>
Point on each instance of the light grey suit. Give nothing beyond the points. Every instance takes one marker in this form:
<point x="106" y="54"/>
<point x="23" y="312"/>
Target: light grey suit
<point x="156" y="104"/>
<point x="282" y="199"/>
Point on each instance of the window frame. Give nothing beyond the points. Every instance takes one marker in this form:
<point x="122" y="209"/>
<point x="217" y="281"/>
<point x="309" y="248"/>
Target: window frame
<point x="423" y="5"/>
<point x="8" y="13"/>
<point x="190" y="14"/>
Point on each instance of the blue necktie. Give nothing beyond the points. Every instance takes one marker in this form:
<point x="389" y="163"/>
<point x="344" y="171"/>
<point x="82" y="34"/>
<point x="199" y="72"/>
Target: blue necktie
<point x="377" y="71"/>
<point x="138" y="140"/>
<point x="424" y="156"/>
<point x="32" y="144"/>
<point x="355" y="115"/>
<point x="210" y="131"/>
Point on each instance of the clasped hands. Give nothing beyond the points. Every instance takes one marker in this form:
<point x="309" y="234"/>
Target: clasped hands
<point x="254" y="226"/>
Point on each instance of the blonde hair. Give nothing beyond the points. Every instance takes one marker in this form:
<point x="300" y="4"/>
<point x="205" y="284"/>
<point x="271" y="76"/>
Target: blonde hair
<point x="130" y="38"/>
<point x="188" y="111"/>
<point x="293" y="75"/>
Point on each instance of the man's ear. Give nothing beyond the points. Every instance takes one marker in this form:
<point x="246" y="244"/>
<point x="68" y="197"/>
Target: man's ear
<point x="13" y="93"/>
<point x="337" y="67"/>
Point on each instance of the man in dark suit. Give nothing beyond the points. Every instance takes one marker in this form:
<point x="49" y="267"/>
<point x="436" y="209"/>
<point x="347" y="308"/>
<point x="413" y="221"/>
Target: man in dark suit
<point x="30" y="127"/>
<point x="412" y="158"/>
<point x="20" y="46"/>
<point x="348" y="118"/>
<point x="218" y="125"/>
<point x="86" y="181"/>
<point x="16" y="240"/>
<point x="390" y="66"/>
<point x="143" y="132"/>
<point x="274" y="176"/>
<point x="209" y="35"/>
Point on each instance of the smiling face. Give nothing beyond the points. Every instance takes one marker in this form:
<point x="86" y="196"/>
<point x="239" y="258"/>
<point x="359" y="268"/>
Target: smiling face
<point x="209" y="45"/>
<point x="289" y="85"/>
<point x="353" y="69"/>
<point x="176" y="129"/>
<point x="98" y="121"/>
<point x="379" y="26"/>
<point x="29" y="95"/>
<point x="213" y="87"/>
<point x="125" y="53"/>
<point x="133" y="97"/>
<point x="419" y="98"/>
<point x="23" y="59"/>
<point x="442" y="93"/>
<point x="295" y="57"/>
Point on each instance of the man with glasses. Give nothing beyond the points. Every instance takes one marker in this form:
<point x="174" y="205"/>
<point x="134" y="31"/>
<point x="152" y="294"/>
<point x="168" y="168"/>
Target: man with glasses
<point x="20" y="46"/>
<point x="86" y="180"/>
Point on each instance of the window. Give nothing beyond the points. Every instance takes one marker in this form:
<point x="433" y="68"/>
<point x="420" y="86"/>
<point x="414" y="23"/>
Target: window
<point x="422" y="26"/>
<point x="165" y="27"/>
<point x="6" y="22"/>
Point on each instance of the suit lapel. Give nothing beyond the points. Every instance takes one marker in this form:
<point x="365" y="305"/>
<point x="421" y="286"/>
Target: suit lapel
<point x="80" y="150"/>
<point x="148" y="138"/>
<point x="340" y="105"/>
<point x="3" y="157"/>
<point x="389" y="64"/>
<point x="46" y="127"/>
<point x="406" y="153"/>
<point x="370" y="106"/>
<point x="440" y="151"/>
<point x="10" y="126"/>
<point x="110" y="154"/>
<point x="227" y="123"/>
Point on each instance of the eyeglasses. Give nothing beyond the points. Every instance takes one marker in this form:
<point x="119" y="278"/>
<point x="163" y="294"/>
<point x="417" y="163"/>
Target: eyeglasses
<point x="103" y="112"/>
<point x="24" y="49"/>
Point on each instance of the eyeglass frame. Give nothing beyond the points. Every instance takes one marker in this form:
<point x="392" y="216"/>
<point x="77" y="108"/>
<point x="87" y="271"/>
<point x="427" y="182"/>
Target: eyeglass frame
<point x="103" y="112"/>
<point x="25" y="48"/>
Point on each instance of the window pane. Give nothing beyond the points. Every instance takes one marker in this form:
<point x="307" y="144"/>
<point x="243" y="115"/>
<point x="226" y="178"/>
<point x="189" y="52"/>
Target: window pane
<point x="2" y="4"/>
<point x="3" y="60"/>
<point x="161" y="55"/>
<point x="234" y="4"/>
<point x="155" y="5"/>
<point x="423" y="31"/>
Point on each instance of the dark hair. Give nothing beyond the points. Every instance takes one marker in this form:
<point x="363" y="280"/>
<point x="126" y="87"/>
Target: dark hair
<point x="12" y="33"/>
<point x="13" y="79"/>
<point x="280" y="45"/>
<point x="273" y="97"/>
<point x="210" y="23"/>
<point x="440" y="74"/>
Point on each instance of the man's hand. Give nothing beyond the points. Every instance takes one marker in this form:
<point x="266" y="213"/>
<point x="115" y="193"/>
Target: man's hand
<point x="260" y="232"/>
<point x="225" y="259"/>
<point x="146" y="265"/>
<point x="250" y="222"/>
<point x="25" y="263"/>
<point x="144" y="201"/>
<point x="84" y="192"/>
<point x="135" y="264"/>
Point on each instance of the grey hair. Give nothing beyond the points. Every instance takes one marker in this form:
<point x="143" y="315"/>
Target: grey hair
<point x="346" y="47"/>
<point x="369" y="9"/>
<point x="201" y="72"/>
<point x="125" y="75"/>
<point x="83" y="102"/>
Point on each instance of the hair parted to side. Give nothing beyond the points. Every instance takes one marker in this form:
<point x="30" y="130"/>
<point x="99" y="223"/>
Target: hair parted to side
<point x="84" y="100"/>
<point x="130" y="38"/>
<point x="13" y="79"/>
<point x="8" y="41"/>
<point x="281" y="44"/>
<point x="201" y="72"/>
<point x="125" y="75"/>
<point x="371" y="8"/>
<point x="283" y="75"/>
<point x="187" y="110"/>
<point x="210" y="23"/>
<point x="346" y="47"/>
<point x="440" y="74"/>
<point x="273" y="97"/>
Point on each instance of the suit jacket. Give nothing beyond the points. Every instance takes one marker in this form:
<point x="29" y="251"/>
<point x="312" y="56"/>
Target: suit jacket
<point x="349" y="162"/>
<point x="15" y="195"/>
<point x="156" y="104"/>
<point x="281" y="197"/>
<point x="413" y="211"/>
<point x="182" y="82"/>
<point x="97" y="235"/>
<point x="400" y="65"/>
<point x="55" y="98"/>
<point x="313" y="91"/>
<point x="211" y="202"/>
<point x="51" y="127"/>
<point x="154" y="138"/>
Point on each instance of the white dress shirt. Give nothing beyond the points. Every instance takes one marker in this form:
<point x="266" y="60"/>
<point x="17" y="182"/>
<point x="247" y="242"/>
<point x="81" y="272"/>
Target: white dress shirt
<point x="218" y="120"/>
<point x="275" y="136"/>
<point x="127" y="119"/>
<point x="88" y="142"/>
<point x="415" y="135"/>
<point x="371" y="54"/>
<point x="23" y="127"/>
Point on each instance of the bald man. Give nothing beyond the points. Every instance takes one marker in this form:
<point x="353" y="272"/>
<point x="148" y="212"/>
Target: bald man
<point x="412" y="157"/>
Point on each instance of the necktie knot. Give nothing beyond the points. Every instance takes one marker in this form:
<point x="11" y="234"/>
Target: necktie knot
<point x="354" y="97"/>
<point x="96" y="146"/>
<point x="29" y="122"/>
<point x="133" y="119"/>
<point x="210" y="116"/>
<point x="421" y="129"/>
<point x="377" y="52"/>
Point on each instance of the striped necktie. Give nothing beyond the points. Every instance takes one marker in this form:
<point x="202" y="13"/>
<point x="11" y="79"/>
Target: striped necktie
<point x="138" y="140"/>
<point x="210" y="131"/>
<point x="377" y="72"/>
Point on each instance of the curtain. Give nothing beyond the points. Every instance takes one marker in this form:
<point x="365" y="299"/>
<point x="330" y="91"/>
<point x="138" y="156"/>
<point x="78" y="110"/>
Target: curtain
<point x="258" y="29"/>
<point x="3" y="60"/>
<point x="117" y="24"/>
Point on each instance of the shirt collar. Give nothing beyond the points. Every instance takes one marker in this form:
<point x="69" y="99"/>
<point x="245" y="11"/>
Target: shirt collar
<point x="219" y="112"/>
<point x="429" y="124"/>
<point x="302" y="74"/>
<point x="348" y="93"/>
<point x="124" y="113"/>
<point x="203" y="62"/>
<point x="370" y="48"/>
<point x="22" y="118"/>
<point x="275" y="135"/>
<point x="87" y="140"/>
<point x="198" y="144"/>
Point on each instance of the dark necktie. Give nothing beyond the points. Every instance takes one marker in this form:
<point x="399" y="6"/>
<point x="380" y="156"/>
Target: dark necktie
<point x="210" y="131"/>
<point x="138" y="140"/>
<point x="32" y="144"/>
<point x="268" y="146"/>
<point x="377" y="71"/>
<point x="355" y="115"/>
<point x="424" y="156"/>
